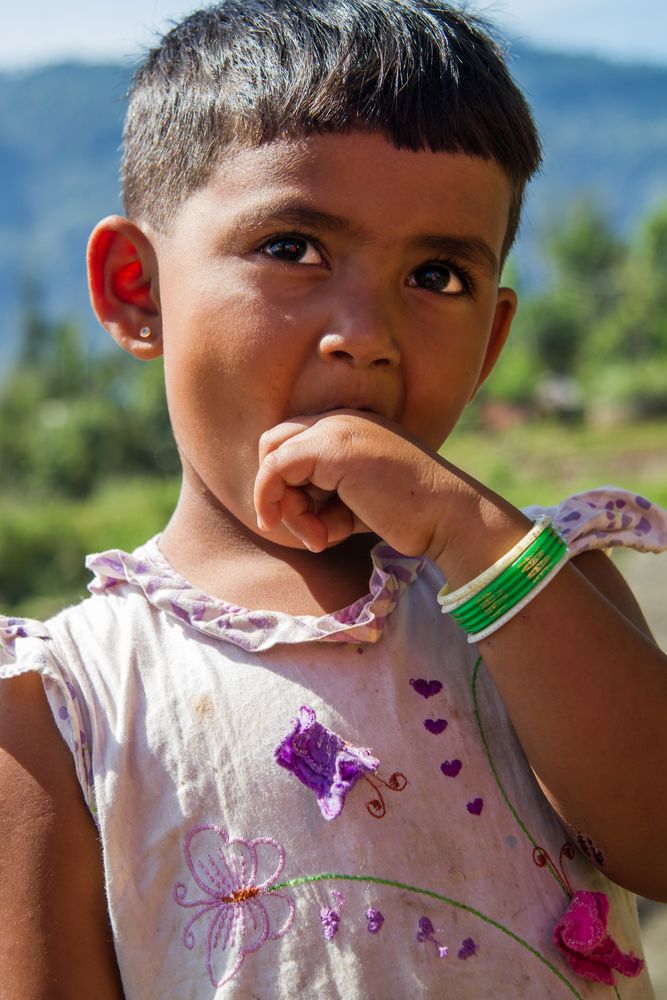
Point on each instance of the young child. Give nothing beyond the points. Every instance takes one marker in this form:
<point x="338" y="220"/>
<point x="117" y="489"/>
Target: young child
<point x="271" y="796"/>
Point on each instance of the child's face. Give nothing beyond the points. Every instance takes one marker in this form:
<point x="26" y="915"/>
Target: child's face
<point x="323" y="273"/>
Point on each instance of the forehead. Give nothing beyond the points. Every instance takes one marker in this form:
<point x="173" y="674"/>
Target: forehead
<point x="377" y="191"/>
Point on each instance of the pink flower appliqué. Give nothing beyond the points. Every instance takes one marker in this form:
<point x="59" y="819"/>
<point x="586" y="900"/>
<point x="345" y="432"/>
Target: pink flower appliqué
<point x="581" y="935"/>
<point x="242" y="911"/>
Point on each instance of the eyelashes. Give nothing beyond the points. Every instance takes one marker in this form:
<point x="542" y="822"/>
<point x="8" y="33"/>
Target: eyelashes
<point x="440" y="276"/>
<point x="292" y="248"/>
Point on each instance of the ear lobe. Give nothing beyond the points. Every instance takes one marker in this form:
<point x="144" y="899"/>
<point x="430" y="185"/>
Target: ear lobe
<point x="506" y="305"/>
<point x="122" y="280"/>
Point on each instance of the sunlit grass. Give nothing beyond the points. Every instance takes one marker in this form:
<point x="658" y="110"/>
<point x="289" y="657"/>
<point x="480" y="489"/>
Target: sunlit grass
<point x="546" y="462"/>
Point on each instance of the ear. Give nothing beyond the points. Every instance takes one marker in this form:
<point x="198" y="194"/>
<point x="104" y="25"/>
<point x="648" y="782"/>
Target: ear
<point x="123" y="285"/>
<point x="506" y="305"/>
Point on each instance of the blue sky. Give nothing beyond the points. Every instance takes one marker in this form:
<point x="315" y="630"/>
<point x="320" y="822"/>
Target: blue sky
<point x="41" y="31"/>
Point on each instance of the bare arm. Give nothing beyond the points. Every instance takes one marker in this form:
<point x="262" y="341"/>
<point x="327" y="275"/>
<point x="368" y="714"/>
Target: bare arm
<point x="56" y="941"/>
<point x="586" y="689"/>
<point x="584" y="684"/>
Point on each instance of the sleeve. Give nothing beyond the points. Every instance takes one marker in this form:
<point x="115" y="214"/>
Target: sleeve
<point x="607" y="517"/>
<point x="27" y="646"/>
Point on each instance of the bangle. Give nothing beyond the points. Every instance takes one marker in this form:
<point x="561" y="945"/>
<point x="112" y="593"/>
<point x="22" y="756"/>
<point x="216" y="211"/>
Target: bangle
<point x="499" y="593"/>
<point x="449" y="602"/>
<point x="526" y="599"/>
<point x="516" y="581"/>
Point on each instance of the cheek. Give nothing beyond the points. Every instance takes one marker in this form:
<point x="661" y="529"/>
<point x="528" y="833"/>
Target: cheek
<point x="439" y="392"/>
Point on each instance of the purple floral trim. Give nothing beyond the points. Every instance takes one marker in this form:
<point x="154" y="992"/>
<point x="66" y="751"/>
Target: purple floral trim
<point x="322" y="761"/>
<point x="598" y="519"/>
<point x="241" y="911"/>
<point x="362" y="621"/>
<point x="12" y="629"/>
<point x="607" y="518"/>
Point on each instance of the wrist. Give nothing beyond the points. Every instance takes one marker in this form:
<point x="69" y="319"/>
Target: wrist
<point x="500" y="592"/>
<point x="476" y="528"/>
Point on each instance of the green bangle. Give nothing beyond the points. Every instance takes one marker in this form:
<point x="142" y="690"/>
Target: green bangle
<point x="514" y="584"/>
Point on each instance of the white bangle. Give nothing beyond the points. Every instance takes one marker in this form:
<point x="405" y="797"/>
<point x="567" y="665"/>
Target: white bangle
<point x="450" y="602"/>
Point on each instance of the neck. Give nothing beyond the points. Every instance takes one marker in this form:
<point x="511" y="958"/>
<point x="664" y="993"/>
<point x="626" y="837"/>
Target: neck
<point x="215" y="552"/>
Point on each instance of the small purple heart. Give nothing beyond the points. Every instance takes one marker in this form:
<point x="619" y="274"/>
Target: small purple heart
<point x="467" y="949"/>
<point x="475" y="807"/>
<point x="425" y="688"/>
<point x="435" y="726"/>
<point x="450" y="768"/>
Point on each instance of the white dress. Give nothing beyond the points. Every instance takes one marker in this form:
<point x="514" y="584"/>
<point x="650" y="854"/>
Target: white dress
<point x="333" y="807"/>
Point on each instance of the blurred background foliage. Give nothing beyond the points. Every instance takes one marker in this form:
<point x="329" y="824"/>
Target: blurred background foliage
<point x="580" y="396"/>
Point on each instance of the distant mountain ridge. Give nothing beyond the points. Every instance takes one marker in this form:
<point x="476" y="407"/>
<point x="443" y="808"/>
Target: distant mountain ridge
<point x="603" y="124"/>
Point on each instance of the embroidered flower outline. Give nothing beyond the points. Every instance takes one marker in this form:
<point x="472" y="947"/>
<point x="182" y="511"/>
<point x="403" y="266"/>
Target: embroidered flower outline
<point x="322" y="761"/>
<point x="242" y="911"/>
<point x="581" y="936"/>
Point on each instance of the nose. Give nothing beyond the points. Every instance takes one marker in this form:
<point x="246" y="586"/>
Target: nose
<point x="362" y="336"/>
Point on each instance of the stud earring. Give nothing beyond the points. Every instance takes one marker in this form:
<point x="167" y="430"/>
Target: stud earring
<point x="145" y="332"/>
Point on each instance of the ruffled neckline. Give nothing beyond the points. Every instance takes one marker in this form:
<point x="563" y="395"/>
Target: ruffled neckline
<point x="595" y="519"/>
<point x="362" y="622"/>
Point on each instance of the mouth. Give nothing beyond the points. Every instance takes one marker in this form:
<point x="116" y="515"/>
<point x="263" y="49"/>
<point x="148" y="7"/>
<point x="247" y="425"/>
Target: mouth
<point x="355" y="407"/>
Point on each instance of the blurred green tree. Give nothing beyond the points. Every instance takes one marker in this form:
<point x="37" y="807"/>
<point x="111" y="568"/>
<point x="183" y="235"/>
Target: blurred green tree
<point x="69" y="419"/>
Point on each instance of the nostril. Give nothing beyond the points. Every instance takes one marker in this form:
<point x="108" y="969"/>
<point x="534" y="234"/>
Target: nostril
<point x="381" y="362"/>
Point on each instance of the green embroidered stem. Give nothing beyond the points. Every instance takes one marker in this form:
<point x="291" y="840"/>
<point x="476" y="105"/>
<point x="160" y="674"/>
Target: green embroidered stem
<point x="501" y="788"/>
<point x="329" y="876"/>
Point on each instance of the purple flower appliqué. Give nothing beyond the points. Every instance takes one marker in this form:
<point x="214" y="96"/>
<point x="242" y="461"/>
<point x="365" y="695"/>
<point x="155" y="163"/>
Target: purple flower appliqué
<point x="323" y="762"/>
<point x="242" y="910"/>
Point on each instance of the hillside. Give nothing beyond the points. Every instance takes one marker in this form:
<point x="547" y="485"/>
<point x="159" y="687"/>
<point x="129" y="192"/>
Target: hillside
<point x="604" y="128"/>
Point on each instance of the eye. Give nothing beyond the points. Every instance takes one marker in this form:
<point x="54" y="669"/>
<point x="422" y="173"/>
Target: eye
<point x="440" y="278"/>
<point x="292" y="250"/>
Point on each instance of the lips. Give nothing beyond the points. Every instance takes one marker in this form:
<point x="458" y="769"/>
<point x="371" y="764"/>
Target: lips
<point x="372" y="409"/>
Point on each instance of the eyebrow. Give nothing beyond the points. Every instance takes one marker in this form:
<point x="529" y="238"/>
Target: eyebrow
<point x="472" y="249"/>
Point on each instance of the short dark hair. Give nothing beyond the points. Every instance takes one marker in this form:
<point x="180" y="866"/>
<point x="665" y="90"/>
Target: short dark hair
<point x="244" y="72"/>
